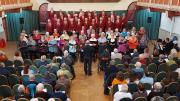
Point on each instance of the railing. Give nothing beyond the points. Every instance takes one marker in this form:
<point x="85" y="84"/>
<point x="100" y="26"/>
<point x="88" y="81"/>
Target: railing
<point x="162" y="4"/>
<point x="10" y="2"/>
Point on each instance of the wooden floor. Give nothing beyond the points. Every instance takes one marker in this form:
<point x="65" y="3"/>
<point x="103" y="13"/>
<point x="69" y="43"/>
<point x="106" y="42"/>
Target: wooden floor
<point x="83" y="88"/>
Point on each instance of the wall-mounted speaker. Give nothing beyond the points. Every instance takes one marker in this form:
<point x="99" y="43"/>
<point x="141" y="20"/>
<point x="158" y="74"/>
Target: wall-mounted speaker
<point x="21" y="20"/>
<point x="149" y="19"/>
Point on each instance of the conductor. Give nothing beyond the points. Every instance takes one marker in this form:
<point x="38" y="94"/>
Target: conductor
<point x="88" y="54"/>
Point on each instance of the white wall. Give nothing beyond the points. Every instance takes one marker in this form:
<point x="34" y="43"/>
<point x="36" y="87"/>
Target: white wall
<point x="37" y="3"/>
<point x="122" y="5"/>
<point x="169" y="27"/>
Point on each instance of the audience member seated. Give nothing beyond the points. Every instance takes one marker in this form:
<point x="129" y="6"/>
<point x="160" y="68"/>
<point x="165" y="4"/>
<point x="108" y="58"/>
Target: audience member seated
<point x="142" y="59"/>
<point x="138" y="70"/>
<point x="68" y="60"/>
<point x="65" y="68"/>
<point x="146" y="79"/>
<point x="3" y="70"/>
<point x="141" y="92"/>
<point x="54" y="62"/>
<point x="62" y="79"/>
<point x="115" y="54"/>
<point x="21" y="93"/>
<point x="157" y="91"/>
<point x="3" y="56"/>
<point x="123" y="93"/>
<point x="59" y="94"/>
<point x="31" y="85"/>
<point x="170" y="60"/>
<point x="47" y="79"/>
<point x="43" y="61"/>
<point x="135" y="53"/>
<point x="119" y="79"/>
<point x="26" y="70"/>
<point x="41" y="92"/>
<point x="18" y="57"/>
<point x="161" y="59"/>
<point x="146" y="53"/>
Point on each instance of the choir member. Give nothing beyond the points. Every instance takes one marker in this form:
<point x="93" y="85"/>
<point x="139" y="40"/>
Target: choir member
<point x="72" y="47"/>
<point x="102" y="42"/>
<point x="124" y="33"/>
<point x="109" y="24"/>
<point x="121" y="44"/>
<point x="108" y="33"/>
<point x="90" y="31"/>
<point x="86" y="23"/>
<point x="65" y="24"/>
<point x="117" y="24"/>
<point x="71" y="25"/>
<point x="52" y="46"/>
<point x="54" y="20"/>
<point x="49" y="27"/>
<point x="51" y="14"/>
<point x="132" y="42"/>
<point x="58" y="26"/>
<point x="101" y="24"/>
<point x="65" y="36"/>
<point x="93" y="44"/>
<point x="56" y="34"/>
<point x="32" y="49"/>
<point x="78" y="26"/>
<point x="36" y="36"/>
<point x="112" y="42"/>
<point x="43" y="45"/>
<point x="82" y="39"/>
<point x="23" y="45"/>
<point x="94" y="24"/>
<point x="141" y="32"/>
<point x="116" y="32"/>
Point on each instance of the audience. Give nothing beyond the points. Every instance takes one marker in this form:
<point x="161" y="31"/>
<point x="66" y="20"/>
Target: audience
<point x="115" y="54"/>
<point x="123" y="93"/>
<point x="41" y="92"/>
<point x="138" y="70"/>
<point x="59" y="94"/>
<point x="119" y="79"/>
<point x="21" y="93"/>
<point x="141" y="92"/>
<point x="18" y="57"/>
<point x="26" y="70"/>
<point x="157" y="91"/>
<point x="3" y="70"/>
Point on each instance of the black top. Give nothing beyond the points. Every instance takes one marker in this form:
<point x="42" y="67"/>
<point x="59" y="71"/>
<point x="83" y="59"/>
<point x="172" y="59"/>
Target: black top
<point x="43" y="95"/>
<point x="4" y="71"/>
<point x="153" y="94"/>
<point x="22" y="95"/>
<point x="88" y="52"/>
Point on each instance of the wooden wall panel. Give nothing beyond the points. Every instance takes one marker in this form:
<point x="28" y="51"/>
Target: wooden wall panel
<point x="175" y="2"/>
<point x="166" y="1"/>
<point x="81" y="1"/>
<point x="152" y="1"/>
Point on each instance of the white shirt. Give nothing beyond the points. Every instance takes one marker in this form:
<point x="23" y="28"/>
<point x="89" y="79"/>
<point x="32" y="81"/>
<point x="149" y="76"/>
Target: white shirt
<point x="116" y="55"/>
<point x="120" y="95"/>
